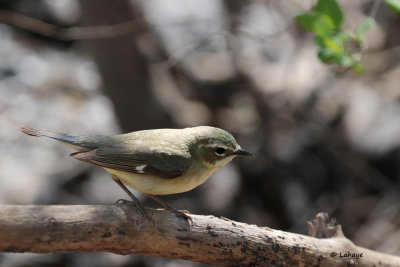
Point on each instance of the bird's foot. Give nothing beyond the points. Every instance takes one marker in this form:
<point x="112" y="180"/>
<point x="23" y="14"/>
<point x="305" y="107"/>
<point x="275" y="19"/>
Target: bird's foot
<point x="182" y="214"/>
<point x="178" y="213"/>
<point x="137" y="205"/>
<point x="134" y="201"/>
<point x="124" y="202"/>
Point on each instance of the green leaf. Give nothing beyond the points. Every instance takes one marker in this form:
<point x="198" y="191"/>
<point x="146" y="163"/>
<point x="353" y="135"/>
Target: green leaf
<point x="358" y="68"/>
<point x="393" y="5"/>
<point x="332" y="10"/>
<point x="336" y="42"/>
<point x="315" y="22"/>
<point x="335" y="46"/>
<point x="326" y="56"/>
<point x="329" y="51"/>
<point x="307" y="21"/>
<point x="365" y="26"/>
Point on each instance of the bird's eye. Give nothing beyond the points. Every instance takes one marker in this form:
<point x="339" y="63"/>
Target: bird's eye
<point x="219" y="151"/>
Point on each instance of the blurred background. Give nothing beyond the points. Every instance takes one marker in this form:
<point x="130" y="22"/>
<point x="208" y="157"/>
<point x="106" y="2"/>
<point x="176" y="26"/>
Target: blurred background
<point x="323" y="141"/>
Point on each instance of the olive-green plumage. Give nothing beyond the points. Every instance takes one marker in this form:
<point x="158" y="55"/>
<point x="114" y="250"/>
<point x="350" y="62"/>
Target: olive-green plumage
<point x="156" y="162"/>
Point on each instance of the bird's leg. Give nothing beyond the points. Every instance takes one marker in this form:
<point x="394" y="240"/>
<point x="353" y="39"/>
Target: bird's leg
<point x="167" y="206"/>
<point x="135" y="201"/>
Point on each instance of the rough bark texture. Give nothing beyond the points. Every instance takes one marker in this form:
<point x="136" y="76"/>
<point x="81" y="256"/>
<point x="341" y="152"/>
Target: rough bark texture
<point x="121" y="230"/>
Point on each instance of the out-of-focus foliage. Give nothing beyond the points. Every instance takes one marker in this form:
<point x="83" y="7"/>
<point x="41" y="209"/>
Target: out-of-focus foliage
<point x="334" y="44"/>
<point x="393" y="5"/>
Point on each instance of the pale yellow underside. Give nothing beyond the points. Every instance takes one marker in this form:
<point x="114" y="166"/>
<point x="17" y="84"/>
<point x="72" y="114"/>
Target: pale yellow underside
<point x="153" y="185"/>
<point x="160" y="186"/>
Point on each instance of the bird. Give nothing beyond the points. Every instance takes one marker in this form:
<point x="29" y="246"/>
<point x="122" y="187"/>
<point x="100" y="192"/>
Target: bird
<point x="154" y="162"/>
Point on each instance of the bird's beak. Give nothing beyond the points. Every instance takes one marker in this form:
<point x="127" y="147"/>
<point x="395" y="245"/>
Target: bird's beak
<point x="242" y="152"/>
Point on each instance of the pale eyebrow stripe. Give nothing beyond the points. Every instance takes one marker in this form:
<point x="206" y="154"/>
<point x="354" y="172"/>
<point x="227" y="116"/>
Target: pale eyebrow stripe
<point x="214" y="146"/>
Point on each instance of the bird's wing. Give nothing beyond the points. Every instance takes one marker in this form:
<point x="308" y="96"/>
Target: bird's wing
<point x="135" y="157"/>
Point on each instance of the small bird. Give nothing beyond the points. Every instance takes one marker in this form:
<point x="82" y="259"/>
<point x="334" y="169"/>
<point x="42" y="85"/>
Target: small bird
<point x="155" y="162"/>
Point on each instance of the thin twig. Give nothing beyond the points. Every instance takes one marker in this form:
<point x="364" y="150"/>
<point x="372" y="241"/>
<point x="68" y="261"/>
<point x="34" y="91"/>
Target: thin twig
<point x="71" y="33"/>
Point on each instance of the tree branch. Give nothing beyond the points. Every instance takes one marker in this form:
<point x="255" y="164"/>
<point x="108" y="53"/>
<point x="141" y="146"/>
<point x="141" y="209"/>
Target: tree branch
<point x="70" y="33"/>
<point x="120" y="229"/>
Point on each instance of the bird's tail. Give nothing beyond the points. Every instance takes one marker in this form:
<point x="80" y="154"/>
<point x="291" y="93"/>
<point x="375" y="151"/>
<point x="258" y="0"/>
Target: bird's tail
<point x="73" y="142"/>
<point x="39" y="133"/>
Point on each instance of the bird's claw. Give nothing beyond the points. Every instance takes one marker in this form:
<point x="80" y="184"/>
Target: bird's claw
<point x="139" y="207"/>
<point x="183" y="214"/>
<point x="123" y="202"/>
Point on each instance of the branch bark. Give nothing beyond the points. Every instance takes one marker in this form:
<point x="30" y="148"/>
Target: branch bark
<point x="120" y="229"/>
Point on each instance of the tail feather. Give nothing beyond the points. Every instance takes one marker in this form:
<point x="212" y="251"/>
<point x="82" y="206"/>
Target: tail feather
<point x="80" y="143"/>
<point x="38" y="133"/>
<point x="70" y="141"/>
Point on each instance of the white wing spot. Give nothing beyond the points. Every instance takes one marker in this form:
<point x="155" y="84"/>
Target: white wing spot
<point x="140" y="168"/>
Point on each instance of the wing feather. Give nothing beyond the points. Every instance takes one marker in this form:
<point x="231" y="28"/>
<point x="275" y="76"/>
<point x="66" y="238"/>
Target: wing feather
<point x="134" y="157"/>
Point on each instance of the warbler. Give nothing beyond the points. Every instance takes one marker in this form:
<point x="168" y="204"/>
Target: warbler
<point x="155" y="162"/>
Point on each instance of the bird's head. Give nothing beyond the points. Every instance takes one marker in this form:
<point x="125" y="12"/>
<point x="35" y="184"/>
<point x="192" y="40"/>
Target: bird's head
<point x="214" y="147"/>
